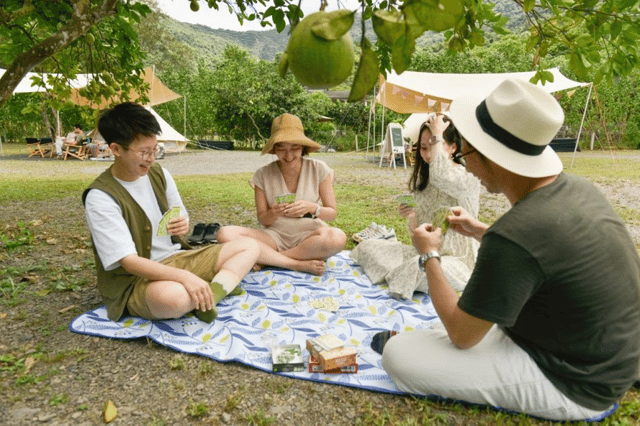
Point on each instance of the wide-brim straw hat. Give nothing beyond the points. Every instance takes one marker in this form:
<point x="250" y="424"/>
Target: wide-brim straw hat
<point x="513" y="127"/>
<point x="288" y="128"/>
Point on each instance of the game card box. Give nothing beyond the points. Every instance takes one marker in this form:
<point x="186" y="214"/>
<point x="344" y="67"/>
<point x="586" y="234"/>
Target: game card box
<point x="287" y="358"/>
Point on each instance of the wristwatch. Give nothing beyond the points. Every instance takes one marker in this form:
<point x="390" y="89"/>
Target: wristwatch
<point x="317" y="211"/>
<point x="435" y="139"/>
<point x="429" y="255"/>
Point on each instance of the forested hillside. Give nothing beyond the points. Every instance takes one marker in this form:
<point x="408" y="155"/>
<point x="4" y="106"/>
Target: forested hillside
<point x="208" y="43"/>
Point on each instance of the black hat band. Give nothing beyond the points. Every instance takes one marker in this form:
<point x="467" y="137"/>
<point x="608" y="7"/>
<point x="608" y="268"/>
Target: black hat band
<point x="501" y="135"/>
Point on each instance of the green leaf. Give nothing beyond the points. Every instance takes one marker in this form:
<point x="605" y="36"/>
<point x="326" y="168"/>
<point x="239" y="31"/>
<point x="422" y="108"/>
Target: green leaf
<point x="547" y="76"/>
<point x="333" y="25"/>
<point x="283" y="66"/>
<point x="435" y="15"/>
<point x="278" y="19"/>
<point x="401" y="53"/>
<point x="388" y="26"/>
<point x="413" y="19"/>
<point x="366" y="75"/>
<point x="528" y="5"/>
<point x="616" y="27"/>
<point x="476" y="38"/>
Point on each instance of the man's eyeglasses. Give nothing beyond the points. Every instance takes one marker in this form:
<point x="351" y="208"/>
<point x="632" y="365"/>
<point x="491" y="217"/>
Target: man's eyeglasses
<point x="458" y="157"/>
<point x="146" y="154"/>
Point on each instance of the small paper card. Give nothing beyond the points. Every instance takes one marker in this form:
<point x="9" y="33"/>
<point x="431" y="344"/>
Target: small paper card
<point x="285" y="198"/>
<point x="327" y="303"/>
<point x="162" y="227"/>
<point x="406" y="199"/>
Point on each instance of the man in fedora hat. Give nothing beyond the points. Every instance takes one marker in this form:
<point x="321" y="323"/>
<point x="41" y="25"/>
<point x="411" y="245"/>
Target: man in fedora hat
<point x="549" y="323"/>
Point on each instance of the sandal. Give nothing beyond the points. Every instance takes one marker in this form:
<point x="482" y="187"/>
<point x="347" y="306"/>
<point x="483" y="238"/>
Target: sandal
<point x="197" y="237"/>
<point x="211" y="233"/>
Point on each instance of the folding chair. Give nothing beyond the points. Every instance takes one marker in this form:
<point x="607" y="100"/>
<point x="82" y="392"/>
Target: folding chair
<point x="40" y="147"/>
<point x="34" y="147"/>
<point x="79" y="151"/>
<point x="47" y="147"/>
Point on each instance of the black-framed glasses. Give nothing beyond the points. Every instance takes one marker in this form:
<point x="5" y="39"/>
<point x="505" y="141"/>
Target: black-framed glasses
<point x="146" y="154"/>
<point x="458" y="157"/>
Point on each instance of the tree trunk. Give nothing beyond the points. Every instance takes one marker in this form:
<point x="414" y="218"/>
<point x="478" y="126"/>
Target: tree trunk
<point x="84" y="17"/>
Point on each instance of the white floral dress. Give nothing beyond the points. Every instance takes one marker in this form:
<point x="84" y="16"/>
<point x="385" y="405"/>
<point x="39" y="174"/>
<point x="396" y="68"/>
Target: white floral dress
<point x="449" y="185"/>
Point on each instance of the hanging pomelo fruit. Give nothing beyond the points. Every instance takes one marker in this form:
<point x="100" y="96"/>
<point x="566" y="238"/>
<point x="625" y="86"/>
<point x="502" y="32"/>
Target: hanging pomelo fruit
<point x="320" y="50"/>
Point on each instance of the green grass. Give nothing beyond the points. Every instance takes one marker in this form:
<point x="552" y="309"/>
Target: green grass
<point x="604" y="167"/>
<point x="38" y="188"/>
<point x="231" y="197"/>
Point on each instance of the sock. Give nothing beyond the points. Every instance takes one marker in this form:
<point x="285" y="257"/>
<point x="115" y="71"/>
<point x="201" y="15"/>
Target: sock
<point x="224" y="283"/>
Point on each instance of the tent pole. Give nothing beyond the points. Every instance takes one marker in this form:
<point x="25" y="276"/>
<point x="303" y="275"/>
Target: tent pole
<point x="382" y="135"/>
<point x="586" y="105"/>
<point x="153" y="77"/>
<point x="368" y="135"/>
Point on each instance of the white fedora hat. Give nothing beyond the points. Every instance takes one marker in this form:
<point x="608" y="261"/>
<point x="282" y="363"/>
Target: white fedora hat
<point x="512" y="127"/>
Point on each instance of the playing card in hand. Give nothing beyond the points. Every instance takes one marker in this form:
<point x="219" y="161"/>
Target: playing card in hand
<point x="162" y="227"/>
<point x="406" y="199"/>
<point x="285" y="198"/>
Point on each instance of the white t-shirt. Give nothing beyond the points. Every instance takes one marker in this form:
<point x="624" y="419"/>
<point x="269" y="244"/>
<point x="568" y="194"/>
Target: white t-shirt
<point x="109" y="230"/>
<point x="72" y="136"/>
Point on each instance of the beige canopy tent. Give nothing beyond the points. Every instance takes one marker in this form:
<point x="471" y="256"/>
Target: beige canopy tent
<point x="422" y="92"/>
<point x="158" y="94"/>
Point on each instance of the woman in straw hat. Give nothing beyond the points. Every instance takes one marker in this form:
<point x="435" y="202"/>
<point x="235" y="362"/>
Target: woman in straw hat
<point x="438" y="183"/>
<point x="294" y="197"/>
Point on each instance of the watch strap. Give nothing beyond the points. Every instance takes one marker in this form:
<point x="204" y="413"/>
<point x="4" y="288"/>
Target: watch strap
<point x="426" y="256"/>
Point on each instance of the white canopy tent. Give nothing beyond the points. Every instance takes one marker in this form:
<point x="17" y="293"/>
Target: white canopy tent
<point x="421" y="93"/>
<point x="172" y="139"/>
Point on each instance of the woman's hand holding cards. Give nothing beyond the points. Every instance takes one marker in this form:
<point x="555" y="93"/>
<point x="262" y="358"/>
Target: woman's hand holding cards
<point x="300" y="208"/>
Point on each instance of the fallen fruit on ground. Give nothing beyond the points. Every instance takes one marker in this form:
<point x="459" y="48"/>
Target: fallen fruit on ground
<point x="316" y="62"/>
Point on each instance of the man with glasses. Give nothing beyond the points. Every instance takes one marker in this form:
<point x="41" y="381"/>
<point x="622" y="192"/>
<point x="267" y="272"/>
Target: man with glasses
<point x="145" y="267"/>
<point x="549" y="322"/>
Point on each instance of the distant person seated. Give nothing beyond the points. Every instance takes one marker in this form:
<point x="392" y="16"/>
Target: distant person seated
<point x="75" y="136"/>
<point x="294" y="197"/>
<point x="72" y="138"/>
<point x="98" y="146"/>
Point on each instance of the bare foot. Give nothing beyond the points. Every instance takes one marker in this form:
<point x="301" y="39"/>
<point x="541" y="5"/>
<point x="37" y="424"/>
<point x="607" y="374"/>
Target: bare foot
<point x="315" y="267"/>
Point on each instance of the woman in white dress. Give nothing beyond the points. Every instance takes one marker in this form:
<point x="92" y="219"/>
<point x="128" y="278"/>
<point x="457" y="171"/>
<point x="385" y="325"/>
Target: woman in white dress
<point x="294" y="197"/>
<point x="438" y="182"/>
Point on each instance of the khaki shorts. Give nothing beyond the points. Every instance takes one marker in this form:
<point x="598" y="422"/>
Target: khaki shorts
<point x="201" y="262"/>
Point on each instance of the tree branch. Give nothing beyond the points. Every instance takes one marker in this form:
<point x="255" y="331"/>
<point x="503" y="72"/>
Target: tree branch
<point x="82" y="19"/>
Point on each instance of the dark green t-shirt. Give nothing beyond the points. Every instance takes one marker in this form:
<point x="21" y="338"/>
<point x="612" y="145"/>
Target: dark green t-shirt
<point x="561" y="275"/>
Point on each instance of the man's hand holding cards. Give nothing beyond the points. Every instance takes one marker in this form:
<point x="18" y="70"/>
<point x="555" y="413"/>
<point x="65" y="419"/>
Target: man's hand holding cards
<point x="172" y="213"/>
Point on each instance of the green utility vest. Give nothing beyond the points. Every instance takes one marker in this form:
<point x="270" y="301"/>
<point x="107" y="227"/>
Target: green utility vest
<point x="115" y="286"/>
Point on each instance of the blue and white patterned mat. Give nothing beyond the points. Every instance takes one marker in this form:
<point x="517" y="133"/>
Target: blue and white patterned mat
<point x="283" y="307"/>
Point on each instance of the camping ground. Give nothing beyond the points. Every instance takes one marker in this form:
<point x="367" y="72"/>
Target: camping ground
<point x="49" y="375"/>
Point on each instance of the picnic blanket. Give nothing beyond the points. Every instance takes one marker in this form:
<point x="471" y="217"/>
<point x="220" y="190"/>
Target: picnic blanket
<point x="282" y="307"/>
<point x="285" y="307"/>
